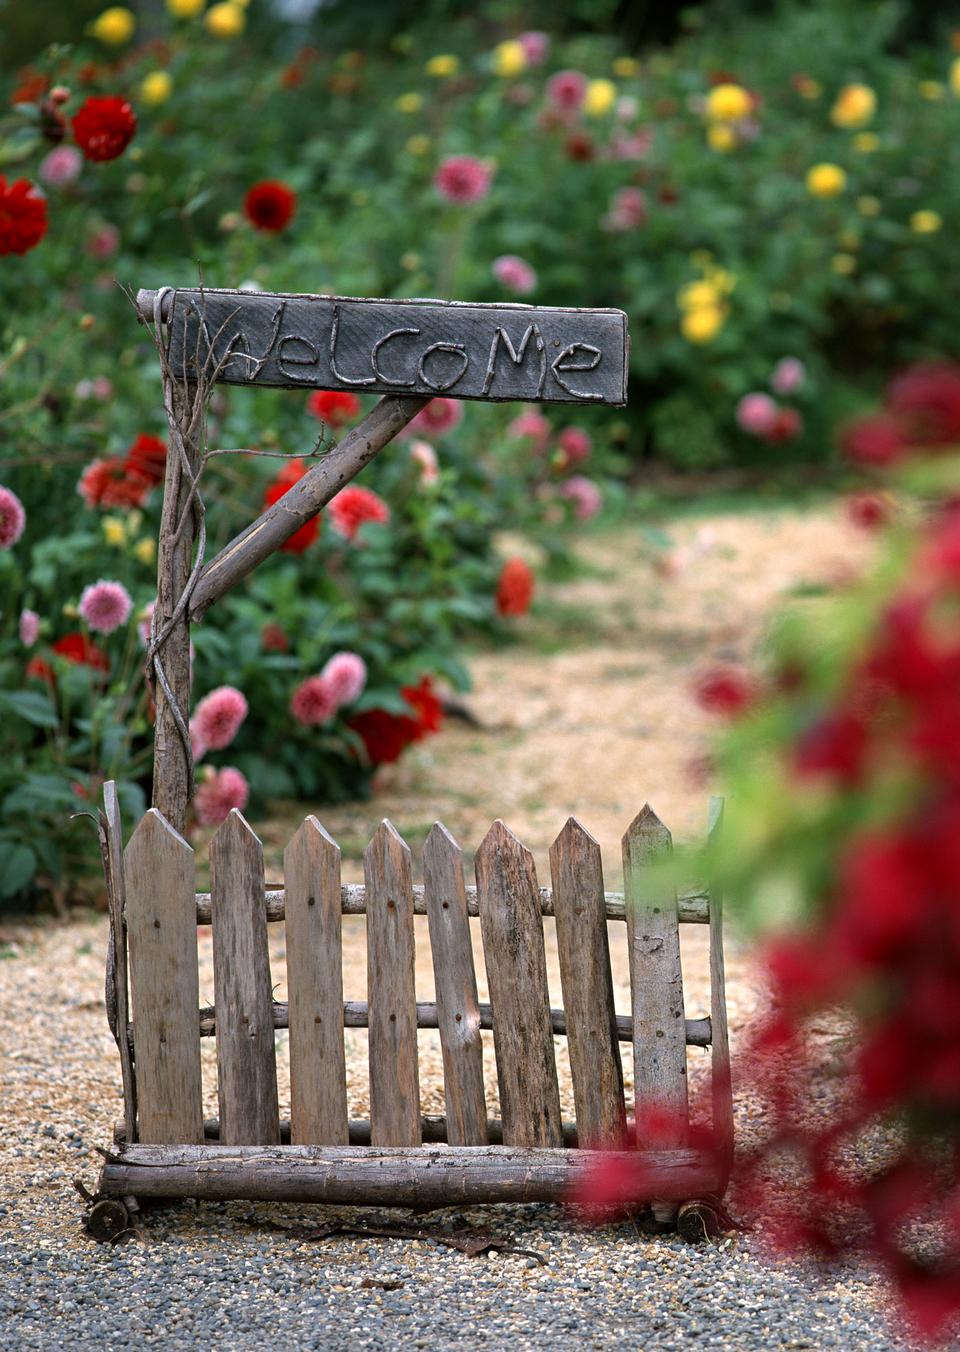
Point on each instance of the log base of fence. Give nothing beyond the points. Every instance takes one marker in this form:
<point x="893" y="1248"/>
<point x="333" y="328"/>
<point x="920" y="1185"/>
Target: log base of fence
<point x="424" y="1177"/>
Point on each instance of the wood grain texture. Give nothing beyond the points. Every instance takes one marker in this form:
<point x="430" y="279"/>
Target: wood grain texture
<point x="349" y="1175"/>
<point x="692" y="906"/>
<point x="318" y="1077"/>
<point x="391" y="992"/>
<point x="322" y="482"/>
<point x="512" y="929"/>
<point x="721" y="1087"/>
<point x="656" y="982"/>
<point x="458" y="1012"/>
<point x="117" y="967"/>
<point x="428" y="347"/>
<point x="246" y="1053"/>
<point x="584" y="953"/>
<point x="160" y="910"/>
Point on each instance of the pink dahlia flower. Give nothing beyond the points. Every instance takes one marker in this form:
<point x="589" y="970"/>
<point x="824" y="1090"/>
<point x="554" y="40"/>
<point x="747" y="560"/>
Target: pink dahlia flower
<point x="584" y="496"/>
<point x="61" y="167"/>
<point x="628" y="210"/>
<point x="218" y="716"/>
<point x="104" y="243"/>
<point x="198" y="747"/>
<point x="423" y="455"/>
<point x="757" y="414"/>
<point x="218" y="793"/>
<point x="566" y="90"/>
<point x="463" y="179"/>
<point x="536" y="47"/>
<point x="29" y="627"/>
<point x="105" y="606"/>
<point x="353" y="507"/>
<point x="532" y="425"/>
<point x="314" y="701"/>
<point x="435" y="418"/>
<point x="345" y="675"/>
<point x="575" y="444"/>
<point x="12" y="518"/>
<point x="789" y="375"/>
<point x="514" y="273"/>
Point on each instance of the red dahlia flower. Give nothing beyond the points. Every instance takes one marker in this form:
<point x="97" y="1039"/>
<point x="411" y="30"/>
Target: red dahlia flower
<point x="112" y="483"/>
<point x="514" y="588"/>
<point x="353" y="507"/>
<point x="334" y="407"/>
<point x="291" y="473"/>
<point x="23" y="216"/>
<point x="147" y="458"/>
<point x="270" y="205"/>
<point x="82" y="651"/>
<point x="386" y="735"/>
<point x="104" y="127"/>
<point x="724" y="690"/>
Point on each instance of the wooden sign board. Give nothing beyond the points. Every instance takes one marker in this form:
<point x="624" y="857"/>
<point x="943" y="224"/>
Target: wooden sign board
<point x="402" y="347"/>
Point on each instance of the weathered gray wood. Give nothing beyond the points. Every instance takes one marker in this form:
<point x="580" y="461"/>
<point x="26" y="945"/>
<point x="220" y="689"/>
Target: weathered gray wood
<point x="721" y="1088"/>
<point x="433" y="1131"/>
<point x="391" y="992"/>
<point x="692" y="906"/>
<point x="512" y="929"/>
<point x="656" y="983"/>
<point x="472" y="351"/>
<point x="458" y="1011"/>
<point x="118" y="988"/>
<point x="246" y="1053"/>
<point x="275" y="526"/>
<point x="158" y="866"/>
<point x="348" y="1175"/>
<point x="318" y="1077"/>
<point x="584" y="953"/>
<point x="356" y="1015"/>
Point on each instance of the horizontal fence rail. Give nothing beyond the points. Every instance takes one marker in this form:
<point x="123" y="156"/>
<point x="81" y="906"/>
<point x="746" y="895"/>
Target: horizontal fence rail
<point x="693" y="906"/>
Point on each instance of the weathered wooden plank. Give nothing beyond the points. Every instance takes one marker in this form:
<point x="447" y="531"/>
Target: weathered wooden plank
<point x="158" y="866"/>
<point x="356" y="1015"/>
<point x="458" y="1012"/>
<point x="428" y="347"/>
<point x="692" y="907"/>
<point x="510" y="921"/>
<point x="246" y="1052"/>
<point x="584" y="953"/>
<point x="349" y="1175"/>
<point x="433" y="1131"/>
<point x="318" y="1077"/>
<point x="117" y="989"/>
<point x="391" y="992"/>
<point x="656" y="983"/>
<point x="721" y="1087"/>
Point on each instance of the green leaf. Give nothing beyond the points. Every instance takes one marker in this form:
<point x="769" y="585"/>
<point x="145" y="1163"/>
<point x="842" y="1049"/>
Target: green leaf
<point x="33" y="706"/>
<point x="18" y="863"/>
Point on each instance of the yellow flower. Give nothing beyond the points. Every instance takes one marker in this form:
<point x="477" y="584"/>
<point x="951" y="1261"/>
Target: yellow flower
<point x="702" y="324"/>
<point x="442" y="67"/>
<point x="721" y="137"/>
<point x="114" y="531"/>
<point x="722" y="279"/>
<point x="826" y="180"/>
<point x="418" y="145"/>
<point x="869" y="206"/>
<point x="855" y="106"/>
<point x="625" y="67"/>
<point x="955" y="75"/>
<point x="146" y="549"/>
<point x="185" y="9"/>
<point x="409" y="103"/>
<point x="931" y="89"/>
<point x="115" y="26"/>
<point x="843" y="264"/>
<point x="866" y="141"/>
<point x="600" y="97"/>
<point x="698" y="296"/>
<point x="926" y="222"/>
<point x="509" y="59"/>
<point x="156" y="87"/>
<point x="808" y="88"/>
<point x="225" y="20"/>
<point x="728" y="103"/>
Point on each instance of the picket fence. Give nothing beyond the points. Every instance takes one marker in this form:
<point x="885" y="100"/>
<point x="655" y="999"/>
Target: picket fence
<point x="164" y="1146"/>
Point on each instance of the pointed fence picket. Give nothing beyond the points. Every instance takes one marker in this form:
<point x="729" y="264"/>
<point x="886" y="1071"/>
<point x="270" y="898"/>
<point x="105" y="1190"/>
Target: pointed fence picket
<point x="155" y="906"/>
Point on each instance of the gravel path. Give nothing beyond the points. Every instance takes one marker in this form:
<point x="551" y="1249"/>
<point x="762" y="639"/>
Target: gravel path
<point x="218" y="1276"/>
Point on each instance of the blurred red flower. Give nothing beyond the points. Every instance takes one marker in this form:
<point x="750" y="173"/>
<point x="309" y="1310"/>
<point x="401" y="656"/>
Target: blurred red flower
<point x="926" y="403"/>
<point x="270" y="205"/>
<point x="110" y="483"/>
<point x="515" y="588"/>
<point x="23" y="216"/>
<point x="387" y="735"/>
<point x="291" y="473"/>
<point x="724" y="690"/>
<point x="334" y="407"/>
<point x="31" y="84"/>
<point x="146" y="459"/>
<point x="103" y="127"/>
<point x="80" y="649"/>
